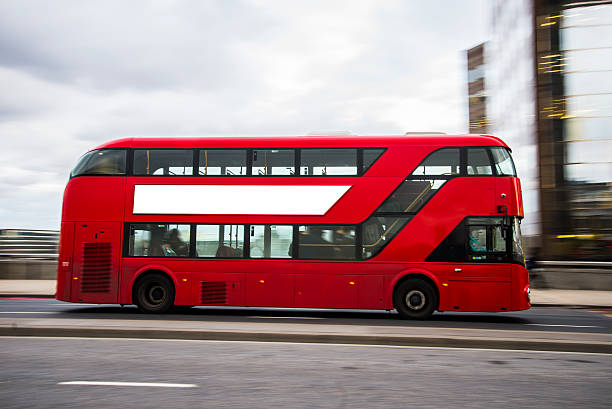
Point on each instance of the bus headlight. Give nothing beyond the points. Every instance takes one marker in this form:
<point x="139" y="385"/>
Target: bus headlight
<point x="528" y="293"/>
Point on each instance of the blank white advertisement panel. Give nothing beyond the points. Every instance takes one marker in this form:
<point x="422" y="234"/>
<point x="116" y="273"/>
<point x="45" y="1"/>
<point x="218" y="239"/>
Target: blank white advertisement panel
<point x="236" y="199"/>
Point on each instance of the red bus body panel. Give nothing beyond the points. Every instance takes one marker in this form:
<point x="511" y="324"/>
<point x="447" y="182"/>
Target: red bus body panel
<point x="95" y="209"/>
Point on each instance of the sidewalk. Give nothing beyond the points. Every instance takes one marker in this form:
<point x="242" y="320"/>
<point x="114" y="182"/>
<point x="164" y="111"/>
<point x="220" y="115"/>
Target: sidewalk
<point x="542" y="297"/>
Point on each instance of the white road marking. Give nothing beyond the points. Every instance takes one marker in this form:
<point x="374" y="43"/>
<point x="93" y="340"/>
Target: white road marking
<point x="283" y="318"/>
<point x="563" y="325"/>
<point x="320" y="344"/>
<point x="150" y="384"/>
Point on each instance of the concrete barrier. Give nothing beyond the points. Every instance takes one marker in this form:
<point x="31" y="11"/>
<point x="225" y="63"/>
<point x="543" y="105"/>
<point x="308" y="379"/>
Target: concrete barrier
<point x="11" y="269"/>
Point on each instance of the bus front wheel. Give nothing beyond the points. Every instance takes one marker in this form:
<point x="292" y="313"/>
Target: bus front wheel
<point x="414" y="299"/>
<point x="154" y="293"/>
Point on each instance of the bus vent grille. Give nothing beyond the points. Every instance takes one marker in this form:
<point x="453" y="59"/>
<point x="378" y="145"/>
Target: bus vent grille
<point x="97" y="262"/>
<point x="213" y="292"/>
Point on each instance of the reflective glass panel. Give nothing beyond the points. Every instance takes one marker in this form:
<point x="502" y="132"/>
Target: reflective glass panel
<point x="326" y="242"/>
<point x="377" y="231"/>
<point x="410" y="196"/>
<point x="101" y="162"/>
<point x="370" y="155"/>
<point x="478" y="162"/>
<point x="330" y="162"/>
<point x="229" y="162"/>
<point x="224" y="240"/>
<point x="271" y="241"/>
<point x="441" y="162"/>
<point x="503" y="162"/>
<point x="159" y="240"/>
<point x="279" y="162"/>
<point x="163" y="162"/>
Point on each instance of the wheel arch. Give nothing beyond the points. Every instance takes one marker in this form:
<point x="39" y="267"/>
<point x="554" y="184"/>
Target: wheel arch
<point x="151" y="269"/>
<point x="415" y="273"/>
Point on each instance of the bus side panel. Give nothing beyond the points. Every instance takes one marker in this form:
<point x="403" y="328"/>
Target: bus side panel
<point x="95" y="274"/>
<point x="93" y="198"/>
<point x="458" y="198"/>
<point x="370" y="291"/>
<point x="266" y="287"/>
<point x="493" y="296"/>
<point x="309" y="291"/>
<point x="64" y="262"/>
<point x="217" y="289"/>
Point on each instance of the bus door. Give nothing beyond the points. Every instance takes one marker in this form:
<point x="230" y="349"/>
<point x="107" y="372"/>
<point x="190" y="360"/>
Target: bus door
<point x="483" y="282"/>
<point x="95" y="275"/>
<point x="270" y="281"/>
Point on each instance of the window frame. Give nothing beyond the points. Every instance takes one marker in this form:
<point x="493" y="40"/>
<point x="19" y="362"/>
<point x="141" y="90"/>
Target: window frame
<point x="358" y="161"/>
<point x="293" y="255"/>
<point x="194" y="235"/>
<point x="361" y="171"/>
<point x="250" y="166"/>
<point x="127" y="229"/>
<point x="194" y="159"/>
<point x="197" y="161"/>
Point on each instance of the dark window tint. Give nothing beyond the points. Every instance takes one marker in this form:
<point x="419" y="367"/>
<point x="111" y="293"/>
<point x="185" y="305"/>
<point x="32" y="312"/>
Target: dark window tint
<point x="475" y="239"/>
<point x="273" y="162"/>
<point x="410" y="196"/>
<point x="478" y="162"/>
<point x="222" y="162"/>
<point x="452" y="248"/>
<point x="441" y="162"/>
<point x="159" y="240"/>
<point x="101" y="162"/>
<point x="328" y="162"/>
<point x="326" y="242"/>
<point x="271" y="241"/>
<point x="220" y="240"/>
<point x="378" y="231"/>
<point x="166" y="162"/>
<point x="370" y="155"/>
<point x="503" y="163"/>
<point x="518" y="255"/>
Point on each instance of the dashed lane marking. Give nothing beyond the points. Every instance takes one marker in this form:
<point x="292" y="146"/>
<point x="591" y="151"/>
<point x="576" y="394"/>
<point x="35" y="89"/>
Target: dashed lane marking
<point x="565" y="326"/>
<point x="149" y="384"/>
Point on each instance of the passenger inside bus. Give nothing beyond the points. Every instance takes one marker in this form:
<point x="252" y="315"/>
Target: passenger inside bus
<point x="177" y="245"/>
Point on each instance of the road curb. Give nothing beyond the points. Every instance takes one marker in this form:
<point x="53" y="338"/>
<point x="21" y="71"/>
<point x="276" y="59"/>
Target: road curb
<point x="447" y="342"/>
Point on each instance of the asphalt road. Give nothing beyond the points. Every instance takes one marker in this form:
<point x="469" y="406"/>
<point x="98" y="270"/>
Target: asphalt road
<point x="41" y="372"/>
<point x="535" y="319"/>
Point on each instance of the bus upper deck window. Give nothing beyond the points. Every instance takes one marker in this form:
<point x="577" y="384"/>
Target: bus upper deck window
<point x="102" y="162"/>
<point x="441" y="162"/>
<point x="502" y="161"/>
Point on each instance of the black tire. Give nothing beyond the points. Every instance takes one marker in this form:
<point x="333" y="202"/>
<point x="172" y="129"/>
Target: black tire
<point x="415" y="299"/>
<point x="154" y="293"/>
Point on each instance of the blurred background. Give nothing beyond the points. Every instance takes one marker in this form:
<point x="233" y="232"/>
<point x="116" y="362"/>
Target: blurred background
<point x="536" y="73"/>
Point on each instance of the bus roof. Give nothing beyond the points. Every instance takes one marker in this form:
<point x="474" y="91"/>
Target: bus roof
<point x="434" y="140"/>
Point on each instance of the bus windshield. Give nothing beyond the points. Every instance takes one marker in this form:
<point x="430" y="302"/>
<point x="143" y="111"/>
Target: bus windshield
<point x="106" y="162"/>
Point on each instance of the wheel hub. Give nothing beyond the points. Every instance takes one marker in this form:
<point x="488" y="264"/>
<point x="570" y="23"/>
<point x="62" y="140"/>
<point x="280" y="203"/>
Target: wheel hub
<point x="156" y="294"/>
<point x="415" y="300"/>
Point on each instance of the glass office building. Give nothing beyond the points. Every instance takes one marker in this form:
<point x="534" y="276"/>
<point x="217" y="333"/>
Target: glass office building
<point x="549" y="87"/>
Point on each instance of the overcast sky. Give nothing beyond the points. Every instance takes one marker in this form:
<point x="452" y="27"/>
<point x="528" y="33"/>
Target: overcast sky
<point x="75" y="74"/>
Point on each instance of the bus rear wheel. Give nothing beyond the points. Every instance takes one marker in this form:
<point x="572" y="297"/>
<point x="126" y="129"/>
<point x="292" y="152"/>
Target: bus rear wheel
<point x="414" y="299"/>
<point x="154" y="293"/>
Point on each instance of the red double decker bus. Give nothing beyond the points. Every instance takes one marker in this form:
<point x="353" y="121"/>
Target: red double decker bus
<point x="416" y="223"/>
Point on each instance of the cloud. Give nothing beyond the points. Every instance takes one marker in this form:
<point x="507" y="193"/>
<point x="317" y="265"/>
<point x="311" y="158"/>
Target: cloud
<point x="75" y="74"/>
